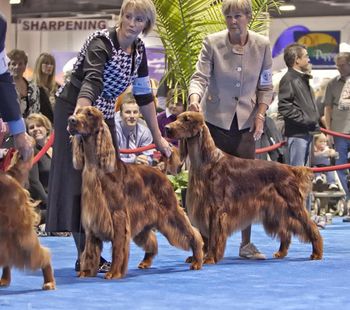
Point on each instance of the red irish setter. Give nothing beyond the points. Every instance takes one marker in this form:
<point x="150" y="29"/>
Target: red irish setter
<point x="123" y="201"/>
<point x="19" y="244"/>
<point x="226" y="193"/>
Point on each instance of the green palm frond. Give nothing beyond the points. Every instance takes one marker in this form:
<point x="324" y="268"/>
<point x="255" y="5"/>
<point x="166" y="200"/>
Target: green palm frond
<point x="182" y="26"/>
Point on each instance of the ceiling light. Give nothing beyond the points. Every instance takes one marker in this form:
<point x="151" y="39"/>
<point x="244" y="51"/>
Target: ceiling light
<point x="15" y="1"/>
<point x="287" y="7"/>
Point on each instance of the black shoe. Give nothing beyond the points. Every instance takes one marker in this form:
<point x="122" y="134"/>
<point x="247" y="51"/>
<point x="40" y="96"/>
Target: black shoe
<point x="103" y="267"/>
<point x="77" y="265"/>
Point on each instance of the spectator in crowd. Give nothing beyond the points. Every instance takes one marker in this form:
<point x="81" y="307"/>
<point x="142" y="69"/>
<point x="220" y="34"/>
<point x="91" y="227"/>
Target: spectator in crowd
<point x="234" y="101"/>
<point x="296" y="104"/>
<point x="110" y="61"/>
<point x="337" y="115"/>
<point x="174" y="106"/>
<point x="321" y="157"/>
<point x="39" y="127"/>
<point x="9" y="106"/>
<point x="131" y="134"/>
<point x="44" y="76"/>
<point x="28" y="92"/>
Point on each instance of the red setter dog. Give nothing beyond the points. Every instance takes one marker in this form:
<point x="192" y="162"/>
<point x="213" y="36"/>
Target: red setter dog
<point x="226" y="193"/>
<point x="19" y="244"/>
<point x="123" y="201"/>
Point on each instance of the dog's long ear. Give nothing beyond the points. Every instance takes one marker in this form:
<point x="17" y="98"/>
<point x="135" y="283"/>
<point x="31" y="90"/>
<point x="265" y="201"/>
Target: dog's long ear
<point x="183" y="149"/>
<point x="78" y="152"/>
<point x="106" y="153"/>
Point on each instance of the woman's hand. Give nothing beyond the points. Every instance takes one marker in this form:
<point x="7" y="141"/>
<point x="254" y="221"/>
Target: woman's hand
<point x="195" y="107"/>
<point x="163" y="146"/>
<point x="258" y="128"/>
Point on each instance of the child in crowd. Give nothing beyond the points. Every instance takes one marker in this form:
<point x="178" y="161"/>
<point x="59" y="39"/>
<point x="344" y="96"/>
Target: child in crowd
<point x="174" y="106"/>
<point x="322" y="155"/>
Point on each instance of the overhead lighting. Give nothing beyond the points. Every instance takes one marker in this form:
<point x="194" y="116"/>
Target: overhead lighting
<point x="287" y="7"/>
<point x="15" y="1"/>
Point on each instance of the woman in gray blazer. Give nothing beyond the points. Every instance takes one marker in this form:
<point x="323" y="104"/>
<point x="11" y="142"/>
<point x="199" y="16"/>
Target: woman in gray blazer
<point x="232" y="85"/>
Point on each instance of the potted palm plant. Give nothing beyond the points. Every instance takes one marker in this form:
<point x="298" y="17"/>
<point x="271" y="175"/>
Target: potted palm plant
<point x="182" y="25"/>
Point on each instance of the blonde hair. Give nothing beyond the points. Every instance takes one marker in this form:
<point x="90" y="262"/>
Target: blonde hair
<point x="244" y="6"/>
<point x="41" y="119"/>
<point x="38" y="74"/>
<point x="145" y="7"/>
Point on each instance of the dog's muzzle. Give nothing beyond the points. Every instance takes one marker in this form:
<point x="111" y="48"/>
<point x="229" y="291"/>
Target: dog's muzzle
<point x="168" y="131"/>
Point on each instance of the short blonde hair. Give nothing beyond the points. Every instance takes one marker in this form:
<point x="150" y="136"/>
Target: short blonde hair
<point x="41" y="119"/>
<point x="244" y="6"/>
<point x="146" y="7"/>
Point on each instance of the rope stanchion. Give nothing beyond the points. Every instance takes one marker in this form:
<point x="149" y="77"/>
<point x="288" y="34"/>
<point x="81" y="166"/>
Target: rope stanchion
<point x="44" y="149"/>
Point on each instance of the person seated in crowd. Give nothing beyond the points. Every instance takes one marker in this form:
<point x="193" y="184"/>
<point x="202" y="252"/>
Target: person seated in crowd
<point x="44" y="77"/>
<point x="321" y="156"/>
<point x="28" y="91"/>
<point x="39" y="127"/>
<point x="131" y="133"/>
<point x="173" y="107"/>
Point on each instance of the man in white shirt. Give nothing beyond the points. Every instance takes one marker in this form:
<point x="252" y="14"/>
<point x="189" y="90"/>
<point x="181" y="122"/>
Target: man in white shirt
<point x="132" y="134"/>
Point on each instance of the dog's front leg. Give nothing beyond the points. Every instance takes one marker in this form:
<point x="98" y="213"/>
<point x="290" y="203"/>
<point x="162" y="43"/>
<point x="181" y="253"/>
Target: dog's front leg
<point x="49" y="280"/>
<point x="217" y="237"/>
<point x="190" y="259"/>
<point x="120" y="245"/>
<point x="91" y="256"/>
<point x="6" y="276"/>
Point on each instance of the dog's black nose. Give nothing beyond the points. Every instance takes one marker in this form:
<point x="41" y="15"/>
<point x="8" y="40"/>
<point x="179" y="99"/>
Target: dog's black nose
<point x="167" y="131"/>
<point x="72" y="120"/>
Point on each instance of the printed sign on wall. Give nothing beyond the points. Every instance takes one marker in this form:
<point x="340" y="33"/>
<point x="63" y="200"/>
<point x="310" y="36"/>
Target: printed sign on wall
<point x="322" y="46"/>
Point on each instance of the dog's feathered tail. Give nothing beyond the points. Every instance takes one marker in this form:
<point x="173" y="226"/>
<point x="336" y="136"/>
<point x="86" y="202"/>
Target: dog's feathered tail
<point x="304" y="176"/>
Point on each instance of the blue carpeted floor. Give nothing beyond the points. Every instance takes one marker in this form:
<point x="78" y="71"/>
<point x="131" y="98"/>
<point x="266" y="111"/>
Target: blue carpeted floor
<point x="292" y="283"/>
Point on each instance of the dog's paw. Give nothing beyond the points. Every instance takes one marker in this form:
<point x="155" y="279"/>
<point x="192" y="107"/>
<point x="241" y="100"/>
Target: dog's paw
<point x="315" y="256"/>
<point x="49" y="286"/>
<point x="196" y="266"/>
<point x="4" y="283"/>
<point x="209" y="260"/>
<point x="110" y="276"/>
<point x="189" y="260"/>
<point x="279" y="255"/>
<point x="144" y="265"/>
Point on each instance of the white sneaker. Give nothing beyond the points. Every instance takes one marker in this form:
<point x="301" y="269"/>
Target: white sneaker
<point x="333" y="187"/>
<point x="250" y="251"/>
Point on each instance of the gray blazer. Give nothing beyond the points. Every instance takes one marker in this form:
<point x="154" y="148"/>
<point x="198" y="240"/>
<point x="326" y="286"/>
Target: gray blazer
<point x="230" y="83"/>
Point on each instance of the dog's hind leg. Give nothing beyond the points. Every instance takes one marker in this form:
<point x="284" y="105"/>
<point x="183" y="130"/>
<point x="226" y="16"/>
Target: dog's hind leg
<point x="307" y="231"/>
<point x="285" y="239"/>
<point x="90" y="258"/>
<point x="148" y="241"/>
<point x="49" y="281"/>
<point x="177" y="228"/>
<point x="6" y="276"/>
<point x="120" y="245"/>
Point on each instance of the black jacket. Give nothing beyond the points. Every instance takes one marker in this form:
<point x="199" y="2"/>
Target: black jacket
<point x="297" y="105"/>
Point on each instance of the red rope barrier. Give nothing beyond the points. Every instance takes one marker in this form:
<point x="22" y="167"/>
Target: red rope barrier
<point x="334" y="133"/>
<point x="257" y="151"/>
<point x="330" y="168"/>
<point x="44" y="149"/>
<point x="138" y="150"/>
<point x="270" y="148"/>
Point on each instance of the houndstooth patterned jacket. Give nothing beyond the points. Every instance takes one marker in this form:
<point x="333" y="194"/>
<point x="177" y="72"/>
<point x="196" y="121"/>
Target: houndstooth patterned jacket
<point x="120" y="71"/>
